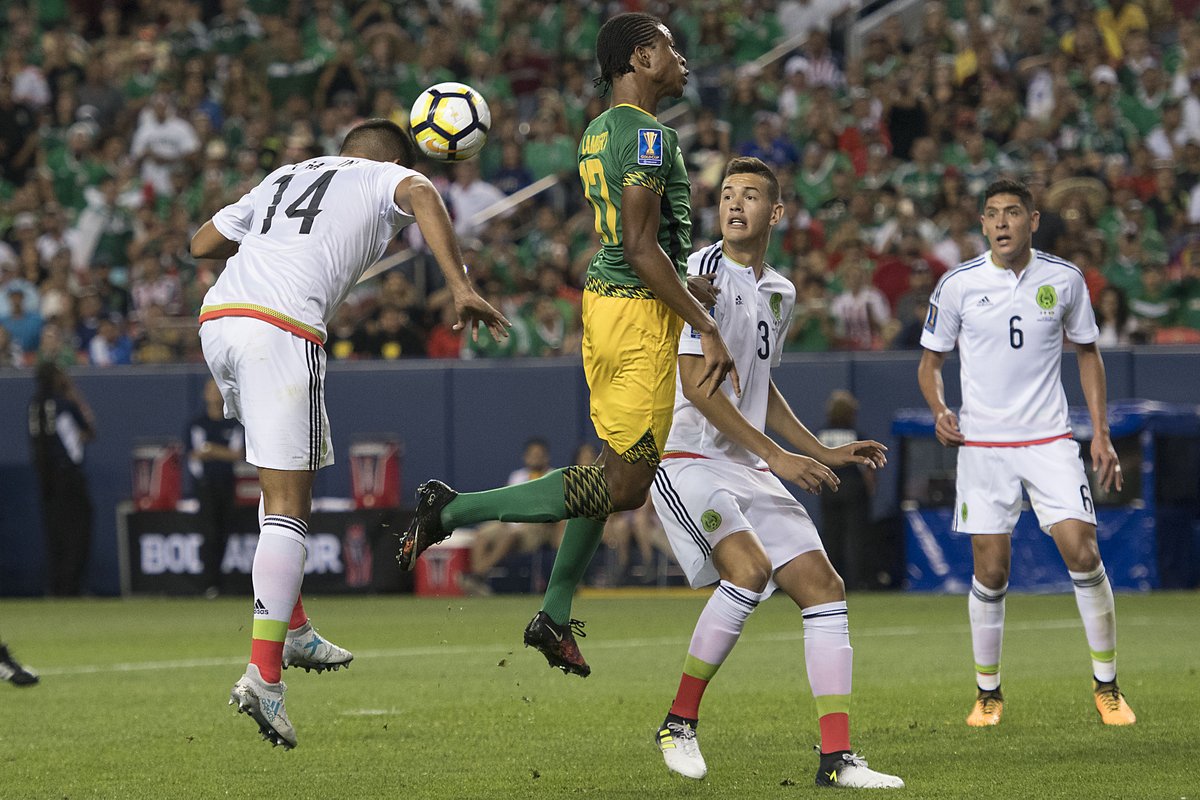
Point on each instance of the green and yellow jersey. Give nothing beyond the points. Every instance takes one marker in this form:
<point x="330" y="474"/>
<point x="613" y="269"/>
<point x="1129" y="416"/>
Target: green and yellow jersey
<point x="626" y="146"/>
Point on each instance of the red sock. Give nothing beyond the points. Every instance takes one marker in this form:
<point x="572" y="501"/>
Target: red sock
<point x="687" y="699"/>
<point x="268" y="657"/>
<point x="298" y="615"/>
<point x="835" y="732"/>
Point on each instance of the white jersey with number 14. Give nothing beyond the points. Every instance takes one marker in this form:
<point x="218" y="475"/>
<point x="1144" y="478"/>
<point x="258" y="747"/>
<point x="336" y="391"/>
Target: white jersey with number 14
<point x="306" y="233"/>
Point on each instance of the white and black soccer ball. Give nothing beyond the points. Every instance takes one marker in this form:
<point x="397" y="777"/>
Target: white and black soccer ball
<point x="450" y="121"/>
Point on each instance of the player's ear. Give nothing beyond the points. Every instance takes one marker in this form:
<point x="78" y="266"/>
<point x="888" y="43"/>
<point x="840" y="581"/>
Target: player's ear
<point x="1035" y="219"/>
<point x="776" y="214"/>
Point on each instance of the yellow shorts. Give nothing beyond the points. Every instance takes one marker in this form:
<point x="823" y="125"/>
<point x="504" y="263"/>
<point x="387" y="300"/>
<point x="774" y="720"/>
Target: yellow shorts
<point x="630" y="352"/>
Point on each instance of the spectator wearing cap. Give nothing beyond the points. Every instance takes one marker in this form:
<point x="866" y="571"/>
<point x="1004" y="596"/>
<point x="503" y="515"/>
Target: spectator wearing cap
<point x="24" y="324"/>
<point x="769" y="144"/>
<point x="1124" y="269"/>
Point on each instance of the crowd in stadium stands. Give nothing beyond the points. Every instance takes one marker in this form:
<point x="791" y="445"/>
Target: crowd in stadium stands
<point x="124" y="125"/>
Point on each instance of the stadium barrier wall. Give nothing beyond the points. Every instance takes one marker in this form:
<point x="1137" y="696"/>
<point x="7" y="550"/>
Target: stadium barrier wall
<point x="464" y="422"/>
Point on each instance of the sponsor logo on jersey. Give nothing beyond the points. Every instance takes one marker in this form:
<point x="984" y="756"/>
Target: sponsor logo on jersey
<point x="931" y="318"/>
<point x="737" y="301"/>
<point x="650" y="147"/>
<point x="984" y="301"/>
<point x="964" y="512"/>
<point x="1047" y="297"/>
<point x="711" y="520"/>
<point x="776" y="304"/>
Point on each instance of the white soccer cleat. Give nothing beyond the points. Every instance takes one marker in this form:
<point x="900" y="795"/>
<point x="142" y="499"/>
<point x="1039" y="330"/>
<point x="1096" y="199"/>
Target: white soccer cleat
<point x="681" y="751"/>
<point x="305" y="648"/>
<point x="264" y="703"/>
<point x="850" y="771"/>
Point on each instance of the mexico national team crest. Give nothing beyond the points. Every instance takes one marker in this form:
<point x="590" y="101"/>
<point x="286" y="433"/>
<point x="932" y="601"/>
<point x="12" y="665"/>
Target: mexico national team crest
<point x="711" y="520"/>
<point x="1046" y="297"/>
<point x="650" y="147"/>
<point x="776" y="304"/>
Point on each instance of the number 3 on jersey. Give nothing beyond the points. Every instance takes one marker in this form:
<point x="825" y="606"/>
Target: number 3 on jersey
<point x="591" y="172"/>
<point x="315" y="191"/>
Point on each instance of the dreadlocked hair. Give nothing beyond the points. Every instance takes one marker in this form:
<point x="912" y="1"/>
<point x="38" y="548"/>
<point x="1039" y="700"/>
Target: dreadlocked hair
<point x="617" y="40"/>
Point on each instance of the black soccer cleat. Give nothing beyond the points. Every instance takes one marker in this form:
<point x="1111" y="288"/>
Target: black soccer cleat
<point x="426" y="529"/>
<point x="13" y="672"/>
<point x="557" y="643"/>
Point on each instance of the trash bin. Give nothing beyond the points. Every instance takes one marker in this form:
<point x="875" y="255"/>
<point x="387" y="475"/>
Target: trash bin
<point x="157" y="474"/>
<point x="438" y="569"/>
<point x="375" y="472"/>
<point x="1149" y="532"/>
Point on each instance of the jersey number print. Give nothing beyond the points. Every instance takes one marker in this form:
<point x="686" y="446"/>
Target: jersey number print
<point x="313" y="194"/>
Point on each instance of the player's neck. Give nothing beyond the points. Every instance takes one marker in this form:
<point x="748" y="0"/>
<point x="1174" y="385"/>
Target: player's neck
<point x="747" y="256"/>
<point x="1016" y="263"/>
<point x="629" y="92"/>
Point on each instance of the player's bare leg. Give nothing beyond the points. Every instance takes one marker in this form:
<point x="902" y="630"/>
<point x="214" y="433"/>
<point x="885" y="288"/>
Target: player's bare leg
<point x="1076" y="541"/>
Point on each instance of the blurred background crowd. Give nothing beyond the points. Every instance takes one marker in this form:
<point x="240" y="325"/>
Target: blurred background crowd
<point x="125" y="125"/>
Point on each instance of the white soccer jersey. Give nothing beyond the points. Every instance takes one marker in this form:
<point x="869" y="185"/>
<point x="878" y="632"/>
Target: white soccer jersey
<point x="753" y="316"/>
<point x="307" y="234"/>
<point x="1009" y="330"/>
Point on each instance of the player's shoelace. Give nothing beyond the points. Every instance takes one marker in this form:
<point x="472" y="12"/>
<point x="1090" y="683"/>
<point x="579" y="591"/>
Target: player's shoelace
<point x="989" y="702"/>
<point x="685" y="737"/>
<point x="576" y="626"/>
<point x="1110" y="696"/>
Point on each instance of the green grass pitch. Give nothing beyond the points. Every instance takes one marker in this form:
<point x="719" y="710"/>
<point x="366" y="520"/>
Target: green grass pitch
<point x="443" y="702"/>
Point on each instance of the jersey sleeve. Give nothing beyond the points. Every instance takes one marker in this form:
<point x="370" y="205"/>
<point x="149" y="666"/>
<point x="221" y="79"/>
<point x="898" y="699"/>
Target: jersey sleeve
<point x="233" y="221"/>
<point x="390" y="176"/>
<point x="943" y="318"/>
<point x="1080" y="321"/>
<point x="689" y="340"/>
<point x="645" y="156"/>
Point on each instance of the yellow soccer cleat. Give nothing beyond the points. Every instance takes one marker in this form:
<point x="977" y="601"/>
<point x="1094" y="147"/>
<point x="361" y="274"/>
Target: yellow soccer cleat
<point x="989" y="706"/>
<point x="1111" y="704"/>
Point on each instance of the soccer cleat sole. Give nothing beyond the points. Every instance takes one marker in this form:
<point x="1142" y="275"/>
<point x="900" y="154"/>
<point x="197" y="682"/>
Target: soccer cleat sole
<point x="268" y="732"/>
<point x="554" y="662"/>
<point x="312" y="667"/>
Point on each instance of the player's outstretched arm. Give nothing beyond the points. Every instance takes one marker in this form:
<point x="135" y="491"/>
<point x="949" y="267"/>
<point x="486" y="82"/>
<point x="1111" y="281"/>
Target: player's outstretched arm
<point x="1095" y="391"/>
<point x="639" y="231"/>
<point x="209" y="243"/>
<point x="807" y="473"/>
<point x="929" y="376"/>
<point x="418" y="195"/>
<point x="782" y="420"/>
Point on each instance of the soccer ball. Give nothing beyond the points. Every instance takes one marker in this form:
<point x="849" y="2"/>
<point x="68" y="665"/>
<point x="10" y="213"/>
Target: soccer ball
<point x="450" y="121"/>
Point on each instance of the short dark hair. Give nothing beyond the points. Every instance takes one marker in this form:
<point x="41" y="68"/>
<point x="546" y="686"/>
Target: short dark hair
<point x="382" y="140"/>
<point x="616" y="41"/>
<point x="1010" y="186"/>
<point x="749" y="165"/>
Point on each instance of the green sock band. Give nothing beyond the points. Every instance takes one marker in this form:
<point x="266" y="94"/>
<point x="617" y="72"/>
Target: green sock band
<point x="539" y="500"/>
<point x="701" y="670"/>
<point x="269" y="630"/>
<point x="832" y="704"/>
<point x="579" y="544"/>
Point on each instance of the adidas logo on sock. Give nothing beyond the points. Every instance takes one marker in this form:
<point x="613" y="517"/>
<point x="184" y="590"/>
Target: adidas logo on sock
<point x="259" y="608"/>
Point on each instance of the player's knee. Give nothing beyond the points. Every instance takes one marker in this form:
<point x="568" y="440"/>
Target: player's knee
<point x="628" y="495"/>
<point x="992" y="577"/>
<point x="751" y="574"/>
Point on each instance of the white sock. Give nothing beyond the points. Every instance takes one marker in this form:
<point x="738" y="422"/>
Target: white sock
<point x="278" y="568"/>
<point x="720" y="624"/>
<point x="828" y="656"/>
<point x="986" y="607"/>
<point x="1094" y="596"/>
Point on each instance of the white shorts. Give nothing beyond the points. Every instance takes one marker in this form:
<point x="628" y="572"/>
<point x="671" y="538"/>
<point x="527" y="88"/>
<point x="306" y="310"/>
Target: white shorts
<point x="990" y="479"/>
<point x="274" y="383"/>
<point x="700" y="501"/>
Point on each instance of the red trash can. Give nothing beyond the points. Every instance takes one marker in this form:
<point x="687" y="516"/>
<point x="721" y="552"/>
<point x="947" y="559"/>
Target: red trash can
<point x="375" y="472"/>
<point x="157" y="474"/>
